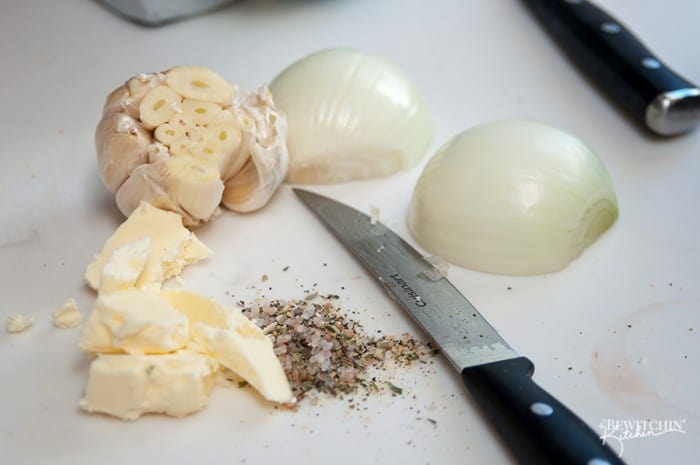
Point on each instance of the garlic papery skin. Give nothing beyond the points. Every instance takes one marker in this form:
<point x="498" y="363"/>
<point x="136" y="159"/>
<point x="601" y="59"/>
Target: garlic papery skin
<point x="122" y="143"/>
<point x="512" y="197"/>
<point x="351" y="116"/>
<point x="174" y="139"/>
<point x="264" y="132"/>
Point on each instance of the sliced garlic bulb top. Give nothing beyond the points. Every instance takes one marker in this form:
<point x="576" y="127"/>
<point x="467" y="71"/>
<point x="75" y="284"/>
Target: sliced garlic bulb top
<point x="351" y="116"/>
<point x="183" y="141"/>
<point x="512" y="197"/>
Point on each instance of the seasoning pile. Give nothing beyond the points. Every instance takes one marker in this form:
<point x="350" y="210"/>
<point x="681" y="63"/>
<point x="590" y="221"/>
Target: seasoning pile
<point x="322" y="349"/>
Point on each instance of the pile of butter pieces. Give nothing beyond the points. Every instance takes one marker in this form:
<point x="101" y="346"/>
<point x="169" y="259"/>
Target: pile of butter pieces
<point x="159" y="350"/>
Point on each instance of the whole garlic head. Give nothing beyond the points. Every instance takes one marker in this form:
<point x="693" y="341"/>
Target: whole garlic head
<point x="183" y="141"/>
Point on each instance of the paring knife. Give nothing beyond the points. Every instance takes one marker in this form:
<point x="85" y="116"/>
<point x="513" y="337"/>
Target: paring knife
<point x="604" y="49"/>
<point x="538" y="428"/>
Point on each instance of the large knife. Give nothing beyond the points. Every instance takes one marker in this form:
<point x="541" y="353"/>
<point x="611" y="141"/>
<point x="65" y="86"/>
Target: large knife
<point x="538" y="428"/>
<point x="617" y="61"/>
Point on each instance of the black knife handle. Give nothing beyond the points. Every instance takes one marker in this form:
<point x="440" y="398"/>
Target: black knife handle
<point x="620" y="65"/>
<point x="538" y="428"/>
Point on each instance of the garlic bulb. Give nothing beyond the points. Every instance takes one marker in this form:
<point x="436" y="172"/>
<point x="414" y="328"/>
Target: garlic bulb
<point x="182" y="141"/>
<point x="351" y="116"/>
<point x="512" y="197"/>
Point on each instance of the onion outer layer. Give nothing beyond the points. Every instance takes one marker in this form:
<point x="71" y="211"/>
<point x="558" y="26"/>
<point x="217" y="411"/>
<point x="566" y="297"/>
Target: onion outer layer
<point x="512" y="197"/>
<point x="351" y="115"/>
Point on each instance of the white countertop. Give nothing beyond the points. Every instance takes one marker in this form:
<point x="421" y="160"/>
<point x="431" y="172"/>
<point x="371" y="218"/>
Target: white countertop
<point x="614" y="336"/>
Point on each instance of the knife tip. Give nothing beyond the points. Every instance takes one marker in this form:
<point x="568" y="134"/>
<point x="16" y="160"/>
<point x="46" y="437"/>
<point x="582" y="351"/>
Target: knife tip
<point x="303" y="194"/>
<point x="314" y="201"/>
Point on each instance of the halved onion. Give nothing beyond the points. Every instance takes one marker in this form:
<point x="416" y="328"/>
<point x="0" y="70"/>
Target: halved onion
<point x="351" y="116"/>
<point x="512" y="197"/>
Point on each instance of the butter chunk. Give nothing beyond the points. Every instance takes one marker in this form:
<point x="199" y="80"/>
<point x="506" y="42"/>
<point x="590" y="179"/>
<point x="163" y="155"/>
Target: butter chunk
<point x="249" y="353"/>
<point x="200" y="309"/>
<point x="172" y="247"/>
<point x="124" y="266"/>
<point x="236" y="342"/>
<point x="134" y="322"/>
<point x="127" y="386"/>
<point x="67" y="315"/>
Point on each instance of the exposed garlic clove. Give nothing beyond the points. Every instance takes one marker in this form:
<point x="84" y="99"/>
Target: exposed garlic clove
<point x="205" y="151"/>
<point x="199" y="112"/>
<point x="158" y="105"/>
<point x="182" y="184"/>
<point x="195" y="185"/>
<point x="127" y="98"/>
<point x="220" y="144"/>
<point x="192" y="131"/>
<point x="122" y="145"/>
<point x="252" y="187"/>
<point x="168" y="133"/>
<point x="200" y="83"/>
<point x="226" y="137"/>
<point x="181" y="146"/>
<point x="139" y="86"/>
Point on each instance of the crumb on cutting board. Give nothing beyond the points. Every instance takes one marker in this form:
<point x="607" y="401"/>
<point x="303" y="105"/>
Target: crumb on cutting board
<point x="17" y="323"/>
<point x="67" y="315"/>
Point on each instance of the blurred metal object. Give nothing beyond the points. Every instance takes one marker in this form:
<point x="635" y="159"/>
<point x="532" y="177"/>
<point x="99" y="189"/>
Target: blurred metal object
<point x="158" y="12"/>
<point x="674" y="112"/>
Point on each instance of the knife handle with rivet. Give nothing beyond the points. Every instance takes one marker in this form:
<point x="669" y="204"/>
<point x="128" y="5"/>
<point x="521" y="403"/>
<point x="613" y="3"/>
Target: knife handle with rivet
<point x="538" y="428"/>
<point x="604" y="49"/>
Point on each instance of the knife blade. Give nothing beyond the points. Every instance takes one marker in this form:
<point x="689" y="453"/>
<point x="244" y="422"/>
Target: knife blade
<point x="620" y="65"/>
<point x="536" y="427"/>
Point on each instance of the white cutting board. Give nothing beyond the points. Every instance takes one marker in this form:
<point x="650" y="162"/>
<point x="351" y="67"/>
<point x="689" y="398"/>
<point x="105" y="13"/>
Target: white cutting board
<point x="614" y="336"/>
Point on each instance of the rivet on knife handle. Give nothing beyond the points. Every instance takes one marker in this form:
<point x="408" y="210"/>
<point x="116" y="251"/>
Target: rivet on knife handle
<point x="604" y="49"/>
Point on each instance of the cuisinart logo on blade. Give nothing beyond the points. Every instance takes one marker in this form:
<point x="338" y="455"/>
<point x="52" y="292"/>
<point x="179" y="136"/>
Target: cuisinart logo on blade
<point x="418" y="300"/>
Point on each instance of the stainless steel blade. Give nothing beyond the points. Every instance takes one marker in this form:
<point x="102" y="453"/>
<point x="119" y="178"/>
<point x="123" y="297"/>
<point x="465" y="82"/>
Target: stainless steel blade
<point x="460" y="331"/>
